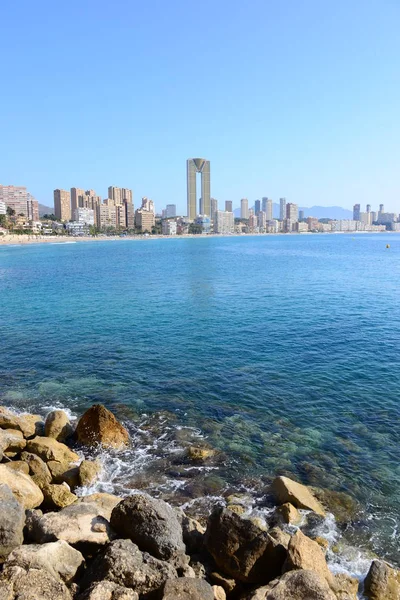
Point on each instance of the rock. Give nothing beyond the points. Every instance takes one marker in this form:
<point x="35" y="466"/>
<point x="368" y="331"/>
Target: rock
<point x="58" y="426"/>
<point x="123" y="563"/>
<point x="239" y="509"/>
<point x="99" y="426"/>
<point x="187" y="589"/>
<point x="219" y="592"/>
<point x="30" y="425"/>
<point x="228" y="585"/>
<point x="17" y="583"/>
<point x="382" y="582"/>
<point x="282" y="537"/>
<point x="295" y="585"/>
<point x="199" y="454"/>
<point x="22" y="486"/>
<point x="64" y="473"/>
<point x="106" y="590"/>
<point x="57" y="496"/>
<point x="288" y="514"/>
<point x="89" y="471"/>
<point x="287" y="490"/>
<point x="343" y="506"/>
<point x="243" y="550"/>
<point x="38" y="469"/>
<point x="345" y="587"/>
<point x="193" y="535"/>
<point x="13" y="441"/>
<point x="77" y="523"/>
<point x="18" y="465"/>
<point x="105" y="503"/>
<point x="49" y="449"/>
<point x="321" y="541"/>
<point x="59" y="559"/>
<point x="151" y="524"/>
<point x="307" y="555"/>
<point x="12" y="521"/>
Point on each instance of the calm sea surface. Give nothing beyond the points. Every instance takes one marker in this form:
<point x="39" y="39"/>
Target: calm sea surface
<point x="282" y="352"/>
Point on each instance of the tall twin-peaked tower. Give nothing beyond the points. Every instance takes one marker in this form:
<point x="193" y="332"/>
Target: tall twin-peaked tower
<point x="194" y="166"/>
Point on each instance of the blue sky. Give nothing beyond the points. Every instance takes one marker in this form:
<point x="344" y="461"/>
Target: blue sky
<point x="298" y="98"/>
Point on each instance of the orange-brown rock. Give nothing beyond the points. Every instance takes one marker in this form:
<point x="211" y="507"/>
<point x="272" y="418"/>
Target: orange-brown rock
<point x="98" y="426"/>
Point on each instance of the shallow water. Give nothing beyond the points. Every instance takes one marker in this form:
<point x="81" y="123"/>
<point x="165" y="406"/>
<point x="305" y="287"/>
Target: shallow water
<point x="279" y="351"/>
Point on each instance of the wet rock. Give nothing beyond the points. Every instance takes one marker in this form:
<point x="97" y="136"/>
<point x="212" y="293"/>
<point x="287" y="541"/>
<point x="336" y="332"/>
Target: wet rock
<point x="193" y="535"/>
<point x="98" y="426"/>
<point x="48" y="449"/>
<point x="123" y="563"/>
<point x="321" y="541"/>
<point x="106" y="590"/>
<point x="30" y="425"/>
<point x="89" y="471"/>
<point x="288" y="513"/>
<point x="59" y="559"/>
<point x="343" y="506"/>
<point x="17" y="583"/>
<point x="64" y="473"/>
<point x="305" y="554"/>
<point x="187" y="589"/>
<point x="18" y="465"/>
<point x="22" y="486"/>
<point x="79" y="523"/>
<point x="382" y="582"/>
<point x="287" y="490"/>
<point x="243" y="550"/>
<point x="151" y="524"/>
<point x="57" y="496"/>
<point x="12" y="521"/>
<point x="199" y="453"/>
<point x="295" y="585"/>
<point x="239" y="509"/>
<point x="38" y="470"/>
<point x="345" y="587"/>
<point x="105" y="503"/>
<point x="58" y="426"/>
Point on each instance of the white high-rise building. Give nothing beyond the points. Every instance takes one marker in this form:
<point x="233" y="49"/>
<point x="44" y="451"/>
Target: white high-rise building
<point x="244" y="208"/>
<point x="224" y="222"/>
<point x="84" y="215"/>
<point x="262" y="221"/>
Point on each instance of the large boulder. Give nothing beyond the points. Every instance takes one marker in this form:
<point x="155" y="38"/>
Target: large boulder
<point x="12" y="521"/>
<point x="152" y="524"/>
<point x="57" y="558"/>
<point x="17" y="583"/>
<point x="98" y="426"/>
<point x="345" y="587"/>
<point x="382" y="582"/>
<point x="105" y="503"/>
<point x="49" y="449"/>
<point x="58" y="426"/>
<point x="64" y="473"/>
<point x="18" y="465"/>
<point x="287" y="490"/>
<point x="307" y="555"/>
<point x="75" y="524"/>
<point x="186" y="588"/>
<point x="30" y="425"/>
<point x="295" y="585"/>
<point x="89" y="471"/>
<point x="106" y="590"/>
<point x="57" y="496"/>
<point x="243" y="550"/>
<point x="12" y="442"/>
<point x="24" y="489"/>
<point x="123" y="563"/>
<point x="38" y="469"/>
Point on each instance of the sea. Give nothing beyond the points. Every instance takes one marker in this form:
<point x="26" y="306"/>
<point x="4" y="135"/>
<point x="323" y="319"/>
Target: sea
<point x="280" y="353"/>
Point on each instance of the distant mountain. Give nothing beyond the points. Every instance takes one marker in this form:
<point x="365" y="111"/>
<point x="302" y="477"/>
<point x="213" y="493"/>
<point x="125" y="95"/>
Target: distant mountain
<point x="320" y="212"/>
<point x="45" y="210"/>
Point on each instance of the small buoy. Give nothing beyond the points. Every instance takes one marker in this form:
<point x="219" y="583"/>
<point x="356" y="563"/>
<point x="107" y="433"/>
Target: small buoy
<point x="387" y="245"/>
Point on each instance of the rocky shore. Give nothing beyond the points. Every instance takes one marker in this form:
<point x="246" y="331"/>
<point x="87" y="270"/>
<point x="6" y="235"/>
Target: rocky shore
<point x="55" y="544"/>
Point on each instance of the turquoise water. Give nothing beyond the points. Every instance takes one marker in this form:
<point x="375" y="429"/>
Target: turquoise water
<point x="281" y="351"/>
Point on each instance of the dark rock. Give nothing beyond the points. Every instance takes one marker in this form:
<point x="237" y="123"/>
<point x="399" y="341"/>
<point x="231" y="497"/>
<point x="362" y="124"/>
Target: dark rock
<point x="193" y="535"/>
<point x="98" y="426"/>
<point x="243" y="550"/>
<point x="187" y="589"/>
<point x="152" y="524"/>
<point x="12" y="521"/>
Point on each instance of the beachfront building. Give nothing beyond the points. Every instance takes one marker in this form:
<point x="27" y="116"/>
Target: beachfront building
<point x="3" y="208"/>
<point x="282" y="209"/>
<point x="244" y="208"/>
<point x="262" y="221"/>
<point x="169" y="227"/>
<point x="62" y="205"/>
<point x="145" y="216"/>
<point x="18" y="199"/>
<point x="84" y="215"/>
<point x="224" y="222"/>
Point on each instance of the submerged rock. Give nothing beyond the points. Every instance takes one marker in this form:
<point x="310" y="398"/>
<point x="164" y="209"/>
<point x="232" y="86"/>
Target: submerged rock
<point x="17" y="583"/>
<point x="98" y="426"/>
<point x="243" y="550"/>
<point x="187" y="589"/>
<point x="295" y="585"/>
<point x="22" y="486"/>
<point x="58" y="426"/>
<point x="152" y="524"/>
<point x="382" y="582"/>
<point x="287" y="490"/>
<point x="12" y="521"/>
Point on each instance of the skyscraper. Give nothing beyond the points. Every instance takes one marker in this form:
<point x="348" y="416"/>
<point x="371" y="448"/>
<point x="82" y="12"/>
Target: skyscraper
<point x="194" y="166"/>
<point x="368" y="208"/>
<point x="356" y="212"/>
<point x="170" y="211"/>
<point x="214" y="208"/>
<point x="62" y="205"/>
<point x="268" y="209"/>
<point x="76" y="198"/>
<point x="244" y="208"/>
<point x="282" y="209"/>
<point x="292" y="212"/>
<point x="228" y="206"/>
<point x="257" y="207"/>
